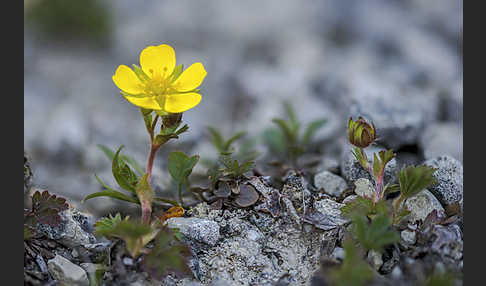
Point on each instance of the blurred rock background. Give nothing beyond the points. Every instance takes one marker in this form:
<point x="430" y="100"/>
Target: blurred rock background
<point x="396" y="62"/>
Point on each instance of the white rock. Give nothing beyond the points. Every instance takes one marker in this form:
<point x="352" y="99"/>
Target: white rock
<point x="422" y="204"/>
<point x="409" y="237"/>
<point x="66" y="272"/>
<point x="364" y="188"/>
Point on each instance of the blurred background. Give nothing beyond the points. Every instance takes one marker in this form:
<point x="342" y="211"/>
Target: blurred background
<point x="397" y="62"/>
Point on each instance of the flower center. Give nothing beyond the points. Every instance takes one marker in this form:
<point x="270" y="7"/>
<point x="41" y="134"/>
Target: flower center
<point x="157" y="86"/>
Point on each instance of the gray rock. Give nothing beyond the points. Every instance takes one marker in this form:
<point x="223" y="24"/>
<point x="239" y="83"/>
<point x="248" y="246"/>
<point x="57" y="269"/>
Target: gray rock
<point x="375" y="258"/>
<point x="331" y="213"/>
<point x="200" y="230"/>
<point x="442" y="139"/>
<point x="449" y="174"/>
<point x="349" y="199"/>
<point x="409" y="237"/>
<point x="422" y="204"/>
<point x="66" y="272"/>
<point x="364" y="188"/>
<point x="399" y="119"/>
<point x="351" y="170"/>
<point x="74" y="230"/>
<point x="338" y="253"/>
<point x="332" y="184"/>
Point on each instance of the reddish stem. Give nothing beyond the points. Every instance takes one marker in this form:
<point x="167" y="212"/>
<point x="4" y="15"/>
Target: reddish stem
<point x="150" y="161"/>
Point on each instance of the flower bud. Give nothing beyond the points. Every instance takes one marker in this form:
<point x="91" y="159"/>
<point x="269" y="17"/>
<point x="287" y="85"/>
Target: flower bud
<point x="360" y="133"/>
<point x="171" y="120"/>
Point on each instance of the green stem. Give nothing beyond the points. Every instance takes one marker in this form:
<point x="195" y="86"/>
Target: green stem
<point x="180" y="195"/>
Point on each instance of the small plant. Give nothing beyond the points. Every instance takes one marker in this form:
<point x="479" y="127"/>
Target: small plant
<point x="354" y="271"/>
<point x="163" y="91"/>
<point x="287" y="141"/>
<point x="226" y="182"/>
<point x="361" y="134"/>
<point x="45" y="209"/>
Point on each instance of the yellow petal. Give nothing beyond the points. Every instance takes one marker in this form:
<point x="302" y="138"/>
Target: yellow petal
<point x="191" y="78"/>
<point x="126" y="80"/>
<point x="175" y="103"/>
<point x="159" y="60"/>
<point x="148" y="102"/>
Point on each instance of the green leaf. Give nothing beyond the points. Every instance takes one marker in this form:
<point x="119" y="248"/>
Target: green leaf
<point x="125" y="158"/>
<point x="287" y="131"/>
<point x="140" y="73"/>
<point x="162" y="139"/>
<point x="375" y="235"/>
<point x="354" y="271"/>
<point x="216" y="139"/>
<point x="168" y="254"/>
<point x="109" y="192"/>
<point x="414" y="179"/>
<point x="390" y="188"/>
<point x="145" y="193"/>
<point x="275" y="141"/>
<point x="232" y="139"/>
<point x="135" y="234"/>
<point x="311" y="130"/>
<point x="180" y="166"/>
<point x="177" y="72"/>
<point x="122" y="173"/>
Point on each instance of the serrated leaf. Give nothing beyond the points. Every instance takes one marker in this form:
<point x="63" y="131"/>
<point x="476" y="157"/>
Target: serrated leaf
<point x="375" y="235"/>
<point x="46" y="208"/>
<point x="414" y="179"/>
<point x="168" y="254"/>
<point x="180" y="166"/>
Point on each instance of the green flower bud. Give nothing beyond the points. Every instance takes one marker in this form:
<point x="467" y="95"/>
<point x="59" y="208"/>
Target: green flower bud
<point x="172" y="120"/>
<point x="360" y="133"/>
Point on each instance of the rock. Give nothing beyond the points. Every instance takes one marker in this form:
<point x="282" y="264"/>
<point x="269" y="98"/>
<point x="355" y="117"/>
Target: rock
<point x="338" y="253"/>
<point x="364" y="188"/>
<point x="449" y="174"/>
<point x="326" y="215"/>
<point x="375" y="258"/>
<point x="74" y="230"/>
<point x="349" y="199"/>
<point x="66" y="272"/>
<point x="330" y="183"/>
<point x="399" y="119"/>
<point x="422" y="204"/>
<point x="200" y="230"/>
<point x="351" y="170"/>
<point x="442" y="139"/>
<point x="409" y="237"/>
<point x="28" y="174"/>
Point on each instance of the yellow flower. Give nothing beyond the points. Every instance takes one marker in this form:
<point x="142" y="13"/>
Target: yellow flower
<point x="159" y="84"/>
